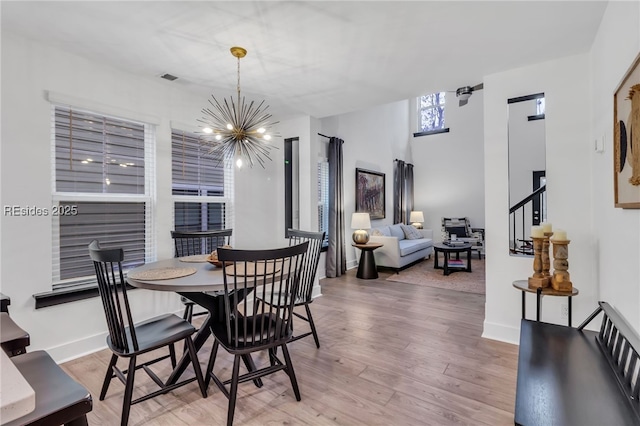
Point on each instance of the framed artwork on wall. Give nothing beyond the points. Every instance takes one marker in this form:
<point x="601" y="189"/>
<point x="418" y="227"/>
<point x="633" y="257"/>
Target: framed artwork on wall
<point x="626" y="139"/>
<point x="370" y="190"/>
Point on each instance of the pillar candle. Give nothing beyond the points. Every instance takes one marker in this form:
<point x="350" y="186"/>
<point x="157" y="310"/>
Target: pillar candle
<point x="546" y="227"/>
<point x="536" y="232"/>
<point x="560" y="235"/>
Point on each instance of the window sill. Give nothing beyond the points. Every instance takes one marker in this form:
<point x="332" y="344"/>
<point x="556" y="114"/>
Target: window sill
<point x="59" y="297"/>
<point x="431" y="132"/>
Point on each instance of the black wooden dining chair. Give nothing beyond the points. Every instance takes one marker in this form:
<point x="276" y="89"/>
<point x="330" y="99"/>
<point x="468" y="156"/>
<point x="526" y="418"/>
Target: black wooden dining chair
<point x="307" y="277"/>
<point x="249" y="328"/>
<point x="194" y="243"/>
<point x="127" y="339"/>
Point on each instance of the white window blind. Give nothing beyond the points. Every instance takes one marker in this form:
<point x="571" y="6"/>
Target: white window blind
<point x="103" y="179"/>
<point x="202" y="186"/>
<point x="323" y="198"/>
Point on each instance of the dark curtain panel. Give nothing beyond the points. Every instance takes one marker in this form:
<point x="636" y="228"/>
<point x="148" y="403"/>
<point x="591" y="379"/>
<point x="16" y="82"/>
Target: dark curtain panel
<point x="408" y="181"/>
<point x="336" y="261"/>
<point x="402" y="191"/>
<point x="398" y="191"/>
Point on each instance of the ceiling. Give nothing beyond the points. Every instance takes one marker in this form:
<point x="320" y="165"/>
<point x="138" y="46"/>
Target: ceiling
<point x="314" y="58"/>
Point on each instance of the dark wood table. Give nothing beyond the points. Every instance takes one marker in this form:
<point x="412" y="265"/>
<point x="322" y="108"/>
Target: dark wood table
<point x="200" y="288"/>
<point x="523" y="286"/>
<point x="367" y="266"/>
<point x="447" y="250"/>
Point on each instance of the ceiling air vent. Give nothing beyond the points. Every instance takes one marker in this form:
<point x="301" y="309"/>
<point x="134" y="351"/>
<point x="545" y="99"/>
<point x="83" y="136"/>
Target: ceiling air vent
<point x="169" y="77"/>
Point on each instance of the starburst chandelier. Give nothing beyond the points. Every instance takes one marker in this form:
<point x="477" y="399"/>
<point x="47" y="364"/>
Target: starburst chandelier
<point x="238" y="130"/>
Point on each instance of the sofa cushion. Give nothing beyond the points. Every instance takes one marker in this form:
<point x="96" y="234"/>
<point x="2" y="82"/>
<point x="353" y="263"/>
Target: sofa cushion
<point x="396" y="231"/>
<point x="412" y="246"/>
<point x="411" y="232"/>
<point x="381" y="231"/>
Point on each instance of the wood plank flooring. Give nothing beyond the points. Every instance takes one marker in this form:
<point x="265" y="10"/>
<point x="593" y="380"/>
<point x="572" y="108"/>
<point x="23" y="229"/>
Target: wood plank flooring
<point x="391" y="354"/>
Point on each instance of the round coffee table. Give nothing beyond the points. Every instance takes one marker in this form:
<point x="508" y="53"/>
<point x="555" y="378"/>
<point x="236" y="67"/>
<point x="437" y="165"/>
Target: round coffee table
<point x="446" y="250"/>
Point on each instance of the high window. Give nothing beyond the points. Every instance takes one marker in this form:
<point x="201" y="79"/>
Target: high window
<point x="431" y="110"/>
<point x="103" y="178"/>
<point x="202" y="186"/>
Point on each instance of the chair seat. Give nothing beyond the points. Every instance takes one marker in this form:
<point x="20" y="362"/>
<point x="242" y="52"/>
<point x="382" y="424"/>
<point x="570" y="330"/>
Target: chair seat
<point x="155" y="333"/>
<point x="14" y="339"/>
<point x="59" y="398"/>
<point x="274" y="331"/>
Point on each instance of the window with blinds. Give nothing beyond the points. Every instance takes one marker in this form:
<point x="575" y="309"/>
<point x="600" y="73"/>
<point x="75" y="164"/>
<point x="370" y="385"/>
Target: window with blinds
<point x="323" y="199"/>
<point x="102" y="178"/>
<point x="202" y="186"/>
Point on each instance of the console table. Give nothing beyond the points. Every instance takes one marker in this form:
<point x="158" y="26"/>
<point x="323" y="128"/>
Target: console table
<point x="523" y="286"/>
<point x="367" y="266"/>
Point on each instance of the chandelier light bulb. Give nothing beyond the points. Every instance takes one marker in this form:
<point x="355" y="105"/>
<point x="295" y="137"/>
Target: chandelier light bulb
<point x="238" y="126"/>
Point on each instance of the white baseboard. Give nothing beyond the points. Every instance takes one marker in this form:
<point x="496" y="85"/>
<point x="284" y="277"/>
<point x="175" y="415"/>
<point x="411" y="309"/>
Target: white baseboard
<point x="501" y="333"/>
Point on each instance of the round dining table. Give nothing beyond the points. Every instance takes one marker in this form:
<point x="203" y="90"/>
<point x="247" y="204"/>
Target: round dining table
<point x="205" y="287"/>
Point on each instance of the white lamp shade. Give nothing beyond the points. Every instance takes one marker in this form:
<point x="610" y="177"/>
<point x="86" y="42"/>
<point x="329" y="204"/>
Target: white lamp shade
<point x="360" y="221"/>
<point x="416" y="217"/>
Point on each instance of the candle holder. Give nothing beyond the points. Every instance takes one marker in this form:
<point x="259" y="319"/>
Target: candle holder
<point x="546" y="260"/>
<point x="561" y="280"/>
<point x="538" y="280"/>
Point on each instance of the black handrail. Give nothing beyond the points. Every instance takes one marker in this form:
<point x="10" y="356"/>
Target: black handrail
<point x="534" y="194"/>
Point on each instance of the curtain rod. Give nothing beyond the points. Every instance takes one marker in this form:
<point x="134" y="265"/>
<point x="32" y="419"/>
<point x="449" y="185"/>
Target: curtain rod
<point x="324" y="136"/>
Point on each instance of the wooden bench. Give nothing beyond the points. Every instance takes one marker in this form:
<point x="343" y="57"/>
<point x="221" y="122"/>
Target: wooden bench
<point x="569" y="376"/>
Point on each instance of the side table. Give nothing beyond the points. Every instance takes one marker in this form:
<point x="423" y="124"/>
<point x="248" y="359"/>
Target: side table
<point x="523" y="285"/>
<point x="367" y="266"/>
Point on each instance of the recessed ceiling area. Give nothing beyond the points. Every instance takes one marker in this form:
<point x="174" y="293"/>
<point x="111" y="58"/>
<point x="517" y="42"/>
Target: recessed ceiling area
<point x="312" y="58"/>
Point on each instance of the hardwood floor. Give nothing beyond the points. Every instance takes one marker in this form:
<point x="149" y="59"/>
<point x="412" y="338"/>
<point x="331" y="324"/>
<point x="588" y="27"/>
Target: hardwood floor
<point x="391" y="353"/>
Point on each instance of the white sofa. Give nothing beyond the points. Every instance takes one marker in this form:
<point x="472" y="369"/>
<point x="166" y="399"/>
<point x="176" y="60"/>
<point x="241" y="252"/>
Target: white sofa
<point x="398" y="251"/>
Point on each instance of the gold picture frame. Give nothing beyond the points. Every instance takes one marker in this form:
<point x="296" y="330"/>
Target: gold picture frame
<point x="626" y="139"/>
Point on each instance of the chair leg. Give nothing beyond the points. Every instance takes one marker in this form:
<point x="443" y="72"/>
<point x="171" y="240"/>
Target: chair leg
<point x="313" y="326"/>
<point x="172" y="355"/>
<point x="107" y="377"/>
<point x="128" y="392"/>
<point x="290" y="372"/>
<point x="188" y="312"/>
<point x="193" y="354"/>
<point x="210" y="364"/>
<point x="234" y="389"/>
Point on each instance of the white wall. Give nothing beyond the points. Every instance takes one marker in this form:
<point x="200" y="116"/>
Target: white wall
<point x="28" y="71"/>
<point x="373" y="138"/>
<point x="616" y="232"/>
<point x="566" y="85"/>
<point x="449" y="167"/>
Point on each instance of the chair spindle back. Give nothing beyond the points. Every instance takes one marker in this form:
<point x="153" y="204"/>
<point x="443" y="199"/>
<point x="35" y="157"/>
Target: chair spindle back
<point x="273" y="275"/>
<point x="201" y="242"/>
<point x="113" y="292"/>
<point x="310" y="265"/>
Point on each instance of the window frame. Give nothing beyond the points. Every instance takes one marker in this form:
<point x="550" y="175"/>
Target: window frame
<point x="78" y="288"/>
<point x="227" y="200"/>
<point x="419" y="108"/>
<point x="322" y="182"/>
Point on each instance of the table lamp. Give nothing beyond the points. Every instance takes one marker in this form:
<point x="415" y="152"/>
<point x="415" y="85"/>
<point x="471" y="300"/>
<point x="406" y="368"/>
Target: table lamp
<point x="417" y="218"/>
<point x="360" y="222"/>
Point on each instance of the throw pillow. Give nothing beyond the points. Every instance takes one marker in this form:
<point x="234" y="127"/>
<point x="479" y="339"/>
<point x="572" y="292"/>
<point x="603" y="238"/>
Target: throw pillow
<point x="460" y="231"/>
<point x="410" y="232"/>
<point x="396" y="231"/>
<point x="376" y="232"/>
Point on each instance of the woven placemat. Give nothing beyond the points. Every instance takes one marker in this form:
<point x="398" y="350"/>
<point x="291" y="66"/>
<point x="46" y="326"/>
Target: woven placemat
<point x="196" y="258"/>
<point x="162" y="273"/>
